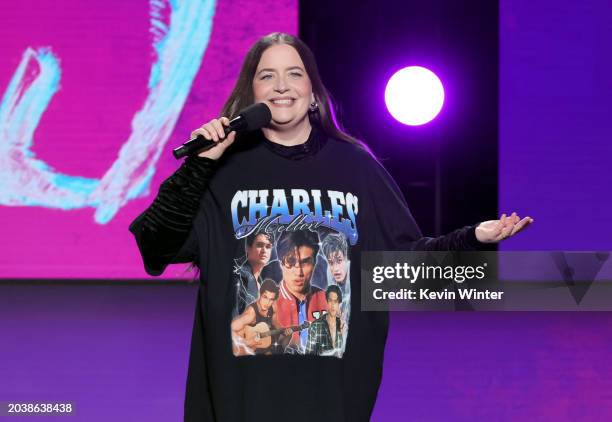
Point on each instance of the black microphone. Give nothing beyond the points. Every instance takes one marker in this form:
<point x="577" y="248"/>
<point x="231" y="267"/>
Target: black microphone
<point x="251" y="118"/>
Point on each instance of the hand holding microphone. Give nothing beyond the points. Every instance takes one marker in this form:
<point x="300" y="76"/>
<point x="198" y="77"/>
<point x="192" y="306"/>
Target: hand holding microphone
<point x="212" y="139"/>
<point x="215" y="131"/>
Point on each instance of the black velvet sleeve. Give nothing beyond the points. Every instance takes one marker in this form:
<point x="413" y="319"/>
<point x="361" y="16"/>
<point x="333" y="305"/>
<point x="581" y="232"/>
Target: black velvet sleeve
<point x="164" y="232"/>
<point x="463" y="239"/>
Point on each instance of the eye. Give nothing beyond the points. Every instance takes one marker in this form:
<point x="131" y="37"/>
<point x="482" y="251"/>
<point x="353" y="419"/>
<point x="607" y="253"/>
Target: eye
<point x="266" y="76"/>
<point x="296" y="74"/>
<point x="307" y="261"/>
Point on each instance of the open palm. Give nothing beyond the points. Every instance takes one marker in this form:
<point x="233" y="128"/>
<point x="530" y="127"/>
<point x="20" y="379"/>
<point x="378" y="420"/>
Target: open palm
<point x="494" y="231"/>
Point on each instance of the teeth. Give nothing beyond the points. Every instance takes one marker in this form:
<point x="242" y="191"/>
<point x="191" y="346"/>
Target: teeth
<point x="282" y="101"/>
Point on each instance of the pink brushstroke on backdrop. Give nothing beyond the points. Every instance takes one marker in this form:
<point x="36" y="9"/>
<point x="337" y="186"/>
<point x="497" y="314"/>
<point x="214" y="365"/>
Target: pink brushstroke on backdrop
<point x="105" y="55"/>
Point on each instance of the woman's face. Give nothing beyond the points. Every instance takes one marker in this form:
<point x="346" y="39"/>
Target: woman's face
<point x="282" y="83"/>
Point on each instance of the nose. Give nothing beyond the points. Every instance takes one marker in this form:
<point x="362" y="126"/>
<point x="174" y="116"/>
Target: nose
<point x="281" y="86"/>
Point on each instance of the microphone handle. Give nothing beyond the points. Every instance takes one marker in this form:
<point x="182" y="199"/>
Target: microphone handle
<point x="197" y="144"/>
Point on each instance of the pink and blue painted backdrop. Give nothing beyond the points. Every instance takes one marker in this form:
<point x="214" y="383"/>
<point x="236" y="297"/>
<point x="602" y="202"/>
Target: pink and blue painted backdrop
<point x="94" y="97"/>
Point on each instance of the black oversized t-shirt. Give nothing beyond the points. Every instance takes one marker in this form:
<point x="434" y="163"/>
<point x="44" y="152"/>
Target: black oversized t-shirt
<point x="338" y="195"/>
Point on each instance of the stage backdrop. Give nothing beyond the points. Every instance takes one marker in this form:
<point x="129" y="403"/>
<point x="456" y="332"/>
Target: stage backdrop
<point x="555" y="130"/>
<point x="94" y="96"/>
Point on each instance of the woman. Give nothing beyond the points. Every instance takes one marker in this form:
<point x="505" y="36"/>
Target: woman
<point x="299" y="179"/>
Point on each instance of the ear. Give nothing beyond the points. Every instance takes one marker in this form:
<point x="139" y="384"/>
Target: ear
<point x="312" y="98"/>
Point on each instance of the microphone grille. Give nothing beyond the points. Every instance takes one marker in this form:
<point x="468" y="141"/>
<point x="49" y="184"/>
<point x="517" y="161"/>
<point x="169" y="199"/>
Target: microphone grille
<point x="256" y="116"/>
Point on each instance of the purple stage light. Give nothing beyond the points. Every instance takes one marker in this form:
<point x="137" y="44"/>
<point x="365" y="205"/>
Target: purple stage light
<point x="414" y="95"/>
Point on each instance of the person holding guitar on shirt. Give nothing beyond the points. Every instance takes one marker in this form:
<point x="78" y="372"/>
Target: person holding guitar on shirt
<point x="255" y="330"/>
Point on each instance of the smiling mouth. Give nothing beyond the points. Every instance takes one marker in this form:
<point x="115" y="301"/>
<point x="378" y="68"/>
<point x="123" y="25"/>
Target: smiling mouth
<point x="283" y="101"/>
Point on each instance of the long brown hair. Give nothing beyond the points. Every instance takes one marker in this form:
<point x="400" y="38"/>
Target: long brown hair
<point x="324" y="117"/>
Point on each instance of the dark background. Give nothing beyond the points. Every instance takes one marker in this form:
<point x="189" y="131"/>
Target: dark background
<point x="359" y="46"/>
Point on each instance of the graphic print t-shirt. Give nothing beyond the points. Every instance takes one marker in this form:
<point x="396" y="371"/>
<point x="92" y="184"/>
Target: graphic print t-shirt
<point x="295" y="258"/>
<point x="282" y="238"/>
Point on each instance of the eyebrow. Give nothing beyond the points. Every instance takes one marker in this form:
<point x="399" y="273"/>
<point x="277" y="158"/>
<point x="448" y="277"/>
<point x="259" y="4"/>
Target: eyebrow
<point x="267" y="69"/>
